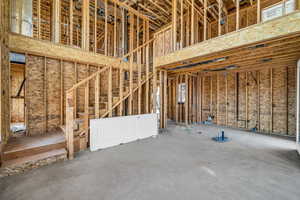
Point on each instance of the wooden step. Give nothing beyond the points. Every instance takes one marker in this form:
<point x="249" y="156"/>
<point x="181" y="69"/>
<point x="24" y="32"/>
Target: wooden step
<point x="22" y="164"/>
<point x="28" y="146"/>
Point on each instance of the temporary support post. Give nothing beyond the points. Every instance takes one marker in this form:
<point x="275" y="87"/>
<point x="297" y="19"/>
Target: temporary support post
<point x="110" y="97"/>
<point x="176" y="98"/>
<point x="161" y="93"/>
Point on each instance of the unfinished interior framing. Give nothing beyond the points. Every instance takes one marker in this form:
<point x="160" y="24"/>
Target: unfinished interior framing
<point x="230" y="63"/>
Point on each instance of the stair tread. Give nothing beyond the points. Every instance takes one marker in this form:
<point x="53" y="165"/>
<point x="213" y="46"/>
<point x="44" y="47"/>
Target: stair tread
<point x="26" y="143"/>
<point x="34" y="158"/>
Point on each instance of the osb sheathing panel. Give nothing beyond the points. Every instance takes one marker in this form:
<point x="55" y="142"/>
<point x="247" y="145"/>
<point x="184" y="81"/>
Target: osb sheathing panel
<point x="221" y="92"/>
<point x="17" y="104"/>
<point x="292" y="99"/>
<point x="69" y="77"/>
<point x="241" y="108"/>
<point x="248" y="35"/>
<point x="35" y="95"/>
<point x="82" y="73"/>
<point x="206" y="97"/>
<point x="253" y="103"/>
<point x="231" y="99"/>
<point x="280" y="100"/>
<point x="214" y="97"/>
<point x="265" y="100"/>
<point x="53" y="90"/>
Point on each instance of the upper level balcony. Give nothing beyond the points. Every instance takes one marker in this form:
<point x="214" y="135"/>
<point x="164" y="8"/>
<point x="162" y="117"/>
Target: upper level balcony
<point x="193" y="35"/>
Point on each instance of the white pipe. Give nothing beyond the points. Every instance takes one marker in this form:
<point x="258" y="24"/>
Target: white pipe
<point x="298" y="108"/>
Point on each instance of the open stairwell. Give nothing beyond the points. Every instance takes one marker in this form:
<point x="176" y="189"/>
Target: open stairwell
<point x="122" y="88"/>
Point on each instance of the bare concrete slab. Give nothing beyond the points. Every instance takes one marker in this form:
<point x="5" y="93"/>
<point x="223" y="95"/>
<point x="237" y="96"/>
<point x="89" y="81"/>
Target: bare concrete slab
<point x="182" y="163"/>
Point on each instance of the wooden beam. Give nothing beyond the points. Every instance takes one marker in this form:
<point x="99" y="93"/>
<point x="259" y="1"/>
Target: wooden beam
<point x="62" y="92"/>
<point x="205" y="21"/>
<point x="97" y="96"/>
<point x="258" y="11"/>
<point x="85" y="42"/>
<point x="115" y="29"/>
<point x="130" y="9"/>
<point x="71" y="23"/>
<point x="106" y="28"/>
<point x="45" y="96"/>
<point x="39" y="18"/>
<point x="192" y="22"/>
<point x="86" y="117"/>
<point x="220" y="3"/>
<point x="110" y="97"/>
<point x="56" y="21"/>
<point x="181" y="24"/>
<point x="165" y="98"/>
<point x="174" y="23"/>
<point x="237" y="14"/>
<point x="186" y="103"/>
<point x="95" y="26"/>
<point x="176" y="98"/>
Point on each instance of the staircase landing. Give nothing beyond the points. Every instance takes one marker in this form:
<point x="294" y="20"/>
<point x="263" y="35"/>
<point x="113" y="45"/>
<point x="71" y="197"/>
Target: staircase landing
<point x="25" y="153"/>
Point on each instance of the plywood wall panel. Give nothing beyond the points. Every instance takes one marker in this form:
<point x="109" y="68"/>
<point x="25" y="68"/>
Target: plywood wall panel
<point x="253" y="103"/>
<point x="279" y="100"/>
<point x="17" y="103"/>
<point x="265" y="100"/>
<point x="221" y="92"/>
<point x="292" y="94"/>
<point x="206" y="98"/>
<point x="231" y="99"/>
<point x="53" y="88"/>
<point x="242" y="118"/>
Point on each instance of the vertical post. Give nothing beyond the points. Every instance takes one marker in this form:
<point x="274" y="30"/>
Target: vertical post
<point x="154" y="86"/>
<point x="139" y="81"/>
<point x="220" y="18"/>
<point x="115" y="29"/>
<point x="39" y="18"/>
<point x="110" y="91"/>
<point x="271" y="100"/>
<point x="56" y="21"/>
<point x="69" y="124"/>
<point x="147" y="77"/>
<point x="165" y="98"/>
<point x="61" y="93"/>
<point x="237" y="14"/>
<point x="181" y="24"/>
<point x="85" y="25"/>
<point x="121" y="89"/>
<point x="45" y="95"/>
<point x="193" y="23"/>
<point x="205" y="21"/>
<point x="258" y="11"/>
<point x="130" y="84"/>
<point x="186" y="99"/>
<point x="95" y="25"/>
<point x="97" y="96"/>
<point x="106" y="28"/>
<point x="161" y="98"/>
<point x="174" y="23"/>
<point x="176" y="98"/>
<point x="298" y="107"/>
<point x="71" y="22"/>
<point x="86" y="117"/>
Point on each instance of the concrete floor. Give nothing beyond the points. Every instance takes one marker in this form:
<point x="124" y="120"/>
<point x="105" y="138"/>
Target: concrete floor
<point x="179" y="164"/>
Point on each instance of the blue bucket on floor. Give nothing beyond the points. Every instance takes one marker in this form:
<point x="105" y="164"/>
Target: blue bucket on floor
<point x="221" y="138"/>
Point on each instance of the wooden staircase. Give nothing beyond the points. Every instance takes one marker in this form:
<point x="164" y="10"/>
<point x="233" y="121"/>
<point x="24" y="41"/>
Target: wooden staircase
<point x="126" y="78"/>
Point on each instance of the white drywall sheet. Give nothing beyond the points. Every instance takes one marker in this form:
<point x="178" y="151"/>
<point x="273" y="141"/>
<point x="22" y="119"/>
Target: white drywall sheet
<point x="108" y="132"/>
